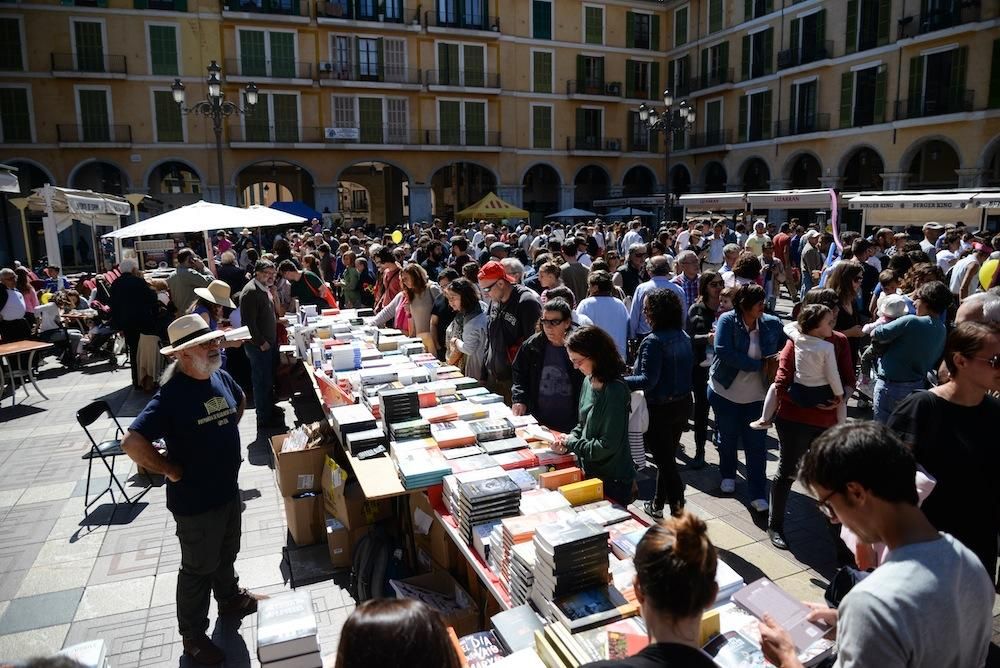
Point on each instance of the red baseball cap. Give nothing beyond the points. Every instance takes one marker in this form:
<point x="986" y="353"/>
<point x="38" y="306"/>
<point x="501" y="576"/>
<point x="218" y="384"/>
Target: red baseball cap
<point x="494" y="271"/>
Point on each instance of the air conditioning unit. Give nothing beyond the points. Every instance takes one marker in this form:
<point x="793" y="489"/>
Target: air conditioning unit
<point x="326" y="67"/>
<point x="614" y="88"/>
<point x="614" y="145"/>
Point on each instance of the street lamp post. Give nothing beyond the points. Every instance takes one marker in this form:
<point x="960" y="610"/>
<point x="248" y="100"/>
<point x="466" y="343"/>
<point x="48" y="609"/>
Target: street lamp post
<point x="668" y="121"/>
<point x="216" y="107"/>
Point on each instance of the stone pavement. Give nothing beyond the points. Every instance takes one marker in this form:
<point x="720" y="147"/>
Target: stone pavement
<point x="65" y="578"/>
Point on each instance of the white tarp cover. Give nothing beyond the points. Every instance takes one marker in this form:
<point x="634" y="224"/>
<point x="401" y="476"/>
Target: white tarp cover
<point x="987" y="200"/>
<point x="572" y="213"/>
<point x="713" y="201"/>
<point x="790" y="199"/>
<point x="8" y="180"/>
<point x="203" y="217"/>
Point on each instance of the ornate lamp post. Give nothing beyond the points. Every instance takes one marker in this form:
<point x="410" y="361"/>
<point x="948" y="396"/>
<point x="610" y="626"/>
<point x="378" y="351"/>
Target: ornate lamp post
<point x="216" y="107"/>
<point x="668" y="121"/>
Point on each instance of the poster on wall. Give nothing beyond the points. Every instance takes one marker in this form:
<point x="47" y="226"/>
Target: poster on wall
<point x="156" y="254"/>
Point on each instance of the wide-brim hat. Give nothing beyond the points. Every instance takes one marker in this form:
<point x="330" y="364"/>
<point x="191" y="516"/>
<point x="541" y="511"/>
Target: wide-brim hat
<point x="188" y="331"/>
<point x="217" y="292"/>
<point x="245" y="231"/>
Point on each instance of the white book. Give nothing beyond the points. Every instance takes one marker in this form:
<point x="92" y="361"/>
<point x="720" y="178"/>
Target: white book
<point x="311" y="660"/>
<point x="286" y="627"/>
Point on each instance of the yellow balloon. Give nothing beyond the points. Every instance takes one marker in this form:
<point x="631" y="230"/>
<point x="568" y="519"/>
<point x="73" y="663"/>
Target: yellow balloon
<point x="987" y="271"/>
<point x="397" y="236"/>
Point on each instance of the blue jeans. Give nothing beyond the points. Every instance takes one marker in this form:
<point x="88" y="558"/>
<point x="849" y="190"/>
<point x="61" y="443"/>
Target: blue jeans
<point x="807" y="281"/>
<point x="888" y="393"/>
<point x="732" y="421"/>
<point x="262" y="379"/>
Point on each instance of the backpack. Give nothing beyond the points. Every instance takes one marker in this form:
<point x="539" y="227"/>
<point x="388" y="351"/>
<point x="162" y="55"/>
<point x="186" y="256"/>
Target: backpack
<point x="369" y="569"/>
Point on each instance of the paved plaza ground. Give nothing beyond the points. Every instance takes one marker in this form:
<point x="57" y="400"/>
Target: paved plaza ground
<point x="66" y="578"/>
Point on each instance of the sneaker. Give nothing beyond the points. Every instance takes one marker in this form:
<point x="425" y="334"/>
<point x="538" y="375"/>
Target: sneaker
<point x="242" y="605"/>
<point x="777" y="539"/>
<point x="203" y="651"/>
<point x="653" y="511"/>
<point x="728" y="486"/>
<point x="760" y="505"/>
<point x="760" y="425"/>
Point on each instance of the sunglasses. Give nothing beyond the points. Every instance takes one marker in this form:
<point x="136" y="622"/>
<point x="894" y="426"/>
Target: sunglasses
<point x="554" y="322"/>
<point x="994" y="361"/>
<point x="825" y="507"/>
<point x="490" y="287"/>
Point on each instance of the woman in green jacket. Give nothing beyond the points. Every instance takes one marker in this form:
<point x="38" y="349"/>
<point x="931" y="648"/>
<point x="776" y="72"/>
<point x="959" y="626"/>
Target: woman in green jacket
<point x="600" y="438"/>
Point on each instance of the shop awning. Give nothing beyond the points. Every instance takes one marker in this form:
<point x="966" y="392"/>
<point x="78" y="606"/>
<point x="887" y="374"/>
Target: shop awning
<point x="492" y="207"/>
<point x="572" y="213"/>
<point x="818" y="198"/>
<point x="8" y="179"/>
<point x="298" y="209"/>
<point x="628" y="211"/>
<point x="913" y="200"/>
<point x="713" y="201"/>
<point x="987" y="200"/>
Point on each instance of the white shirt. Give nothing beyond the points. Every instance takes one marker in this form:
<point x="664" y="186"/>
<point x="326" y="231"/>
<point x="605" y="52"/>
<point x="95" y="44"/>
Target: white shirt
<point x="946" y="259"/>
<point x="610" y="314"/>
<point x="14" y="309"/>
<point x="631" y="237"/>
<point x="959" y="271"/>
<point x="815" y="360"/>
<point x="928" y="248"/>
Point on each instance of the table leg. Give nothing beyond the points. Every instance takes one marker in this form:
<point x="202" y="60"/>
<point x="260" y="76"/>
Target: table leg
<point x="3" y="382"/>
<point x="31" y="374"/>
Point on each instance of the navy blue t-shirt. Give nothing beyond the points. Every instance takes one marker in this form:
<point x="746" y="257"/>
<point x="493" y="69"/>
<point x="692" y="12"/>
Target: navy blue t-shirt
<point x="197" y="420"/>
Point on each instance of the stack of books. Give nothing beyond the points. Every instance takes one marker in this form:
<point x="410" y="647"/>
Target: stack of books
<point x="625" y="537"/>
<point x="504" y="445"/>
<point x="552" y="460"/>
<point x="570" y="557"/>
<point x="515" y="628"/>
<point x="484" y="399"/>
<point x="420" y="467"/>
<point x="399" y="405"/>
<point x="542" y="500"/>
<point x="522" y="572"/>
<point x="450" y="491"/>
<point x="404" y="430"/>
<point x="459" y="453"/>
<point x="602" y="512"/>
<point x="484" y="500"/>
<point x="346" y="358"/>
<point x="452" y="434"/>
<point x="491" y="430"/>
<point x="286" y="632"/>
<point x="349" y="419"/>
<point x="368" y="444"/>
<point x="516" y="459"/>
<point x="521" y="529"/>
<point x="378" y="375"/>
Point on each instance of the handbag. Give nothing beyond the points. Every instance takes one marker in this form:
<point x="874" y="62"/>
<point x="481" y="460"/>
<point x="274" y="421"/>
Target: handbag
<point x="769" y="367"/>
<point x="323" y="292"/>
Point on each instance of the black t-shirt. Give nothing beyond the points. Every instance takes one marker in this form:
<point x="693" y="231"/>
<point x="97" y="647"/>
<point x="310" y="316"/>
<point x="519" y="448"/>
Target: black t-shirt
<point x="846" y="321"/>
<point x="661" y="655"/>
<point x="445" y="315"/>
<point x="308" y="290"/>
<point x="197" y="420"/>
<point x="557" y="407"/>
<point x="957" y="446"/>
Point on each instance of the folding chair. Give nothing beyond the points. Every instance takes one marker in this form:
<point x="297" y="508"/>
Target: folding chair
<point x="105" y="450"/>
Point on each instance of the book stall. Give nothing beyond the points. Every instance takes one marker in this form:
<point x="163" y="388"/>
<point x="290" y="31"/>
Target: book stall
<point x="426" y="486"/>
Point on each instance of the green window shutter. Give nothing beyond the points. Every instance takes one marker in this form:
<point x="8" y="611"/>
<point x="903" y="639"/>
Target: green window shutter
<point x="169" y="125"/>
<point x="630" y="130"/>
<point x="163" y="50"/>
<point x="630" y="30"/>
<point x="542" y="72"/>
<point x="852" y="26"/>
<point x="630" y="79"/>
<point x="140" y="4"/>
<point x="448" y="70"/>
<point x="714" y="15"/>
<point x="475" y="124"/>
<point x="884" y="9"/>
<point x="766" y="114"/>
<point x="451" y="122"/>
<point x="768" y="50"/>
<point x="744" y="103"/>
<point x="881" y="88"/>
<point x="370" y="120"/>
<point x="541" y="19"/>
<point x="581" y="124"/>
<point x="15" y="122"/>
<point x="821" y="26"/>
<point x="180" y="5"/>
<point x="253" y="57"/>
<point x="654" y="80"/>
<point x="94" y="116"/>
<point x="704" y="67"/>
<point x="723" y="59"/>
<point x="680" y="26"/>
<point x="959" y="65"/>
<point x="746" y="57"/>
<point x="10" y="45"/>
<point x="89" y="46"/>
<point x="768" y="6"/>
<point x="747" y="10"/>
<point x="257" y="123"/>
<point x="916" y="86"/>
<point x="654" y="33"/>
<point x="380" y="58"/>
<point x="793" y="39"/>
<point x="541" y="127"/>
<point x="594" y="25"/>
<point x="792" y="107"/>
<point x="599" y="70"/>
<point x="847" y="99"/>
<point x="581" y="71"/>
<point x="994" y="97"/>
<point x="475" y="65"/>
<point x="286" y="118"/>
<point x="282" y="55"/>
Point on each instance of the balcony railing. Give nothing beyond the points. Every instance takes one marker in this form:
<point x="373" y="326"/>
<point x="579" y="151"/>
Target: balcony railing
<point x="806" y="54"/>
<point x="757" y="70"/>
<point x="89" y="62"/>
<point x="285" y="7"/>
<point x="591" y="87"/>
<point x="274" y="134"/>
<point x="384" y="134"/>
<point x="349" y="10"/>
<point x="268" y="69"/>
<point x="94" y="134"/>
<point x="466" y="78"/>
<point x="716" y="78"/>
<point x="458" y="138"/>
<point x="951" y="102"/>
<point x="931" y="21"/>
<point x="593" y="144"/>
<point x="396" y="75"/>
<point x="707" y="139"/>
<point x="801" y="126"/>
<point x="450" y="19"/>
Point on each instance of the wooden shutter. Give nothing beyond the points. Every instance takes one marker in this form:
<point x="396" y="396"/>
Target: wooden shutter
<point x="994" y="97"/>
<point x="474" y="57"/>
<point x="821" y="29"/>
<point x="766" y="113"/>
<point x="630" y="30"/>
<point x="746" y="57"/>
<point x="724" y="61"/>
<point x="654" y="80"/>
<point x="768" y="50"/>
<point x="847" y="99"/>
<point x="139" y="4"/>
<point x="475" y="123"/>
<point x="884" y="10"/>
<point x="180" y="5"/>
<point x="768" y="6"/>
<point x="599" y="70"/>
<point x="630" y="78"/>
<point x="163" y="50"/>
<point x="744" y="103"/>
<point x="852" y="25"/>
<point x="916" y="88"/>
<point x="581" y="71"/>
<point x="286" y="118"/>
<point x="959" y="65"/>
<point x="747" y="10"/>
<point x="581" y="120"/>
<point x="704" y="68"/>
<point x="680" y="26"/>
<point x="793" y="40"/>
<point x="714" y="15"/>
<point x="881" y="88"/>
<point x="283" y="54"/>
<point x="654" y="33"/>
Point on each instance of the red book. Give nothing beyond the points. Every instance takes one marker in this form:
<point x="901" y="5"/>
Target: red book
<point x="517" y="459"/>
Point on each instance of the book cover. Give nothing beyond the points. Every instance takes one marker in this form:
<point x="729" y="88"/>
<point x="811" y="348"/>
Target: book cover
<point x="516" y="459"/>
<point x="452" y="434"/>
<point x="286" y="626"/>
<point x="504" y="445"/>
<point x="584" y="491"/>
<point x="473" y="463"/>
<point x="765" y="597"/>
<point x="481" y="649"/>
<point x="559" y="477"/>
<point x="480" y="491"/>
<point x="593" y="607"/>
<point x="515" y="628"/>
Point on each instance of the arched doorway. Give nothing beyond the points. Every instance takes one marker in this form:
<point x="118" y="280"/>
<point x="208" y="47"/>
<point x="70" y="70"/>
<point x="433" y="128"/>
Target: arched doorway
<point x="680" y="180"/>
<point x="991" y="178"/>
<point x="459" y="185"/>
<point x="637" y="181"/>
<point x="79" y="244"/>
<point x="805" y="172"/>
<point x="373" y="193"/>
<point x="863" y="171"/>
<point x="714" y="176"/>
<point x="541" y="192"/>
<point x="29" y="177"/>
<point x="101" y="177"/>
<point x="934" y="166"/>
<point x="592" y="183"/>
<point x="171" y="185"/>
<point x="756" y="175"/>
<point x="274" y="181"/>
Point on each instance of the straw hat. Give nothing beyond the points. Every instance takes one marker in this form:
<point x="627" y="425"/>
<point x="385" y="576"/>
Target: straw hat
<point x="245" y="232"/>
<point x="189" y="331"/>
<point x="217" y="292"/>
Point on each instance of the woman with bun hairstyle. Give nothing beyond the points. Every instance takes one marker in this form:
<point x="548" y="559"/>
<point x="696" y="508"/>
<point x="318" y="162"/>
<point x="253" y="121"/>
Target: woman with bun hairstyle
<point x="675" y="565"/>
<point x="395" y="632"/>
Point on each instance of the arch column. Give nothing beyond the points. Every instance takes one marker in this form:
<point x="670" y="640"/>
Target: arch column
<point x="212" y="193"/>
<point x="970" y="177"/>
<point x="420" y="202"/>
<point x="327" y="197"/>
<point x="616" y="191"/>
<point x="831" y="182"/>
<point x="895" y="180"/>
<point x="567" y="196"/>
<point x="512" y="194"/>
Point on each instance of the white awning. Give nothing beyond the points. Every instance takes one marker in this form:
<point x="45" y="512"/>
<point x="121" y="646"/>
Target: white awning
<point x="790" y="199"/>
<point x="713" y="201"/>
<point x="916" y="200"/>
<point x="206" y="216"/>
<point x="987" y="200"/>
<point x="8" y="179"/>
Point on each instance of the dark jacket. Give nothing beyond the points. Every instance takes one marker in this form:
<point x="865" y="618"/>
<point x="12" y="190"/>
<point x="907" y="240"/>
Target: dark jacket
<point x="527" y="370"/>
<point x="631" y="278"/>
<point x="661" y="655"/>
<point x="233" y="276"/>
<point x="133" y="305"/>
<point x="258" y="314"/>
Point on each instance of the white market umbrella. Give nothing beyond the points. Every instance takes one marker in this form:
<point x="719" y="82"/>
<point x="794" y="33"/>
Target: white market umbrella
<point x="628" y="211"/>
<point x="204" y="217"/>
<point x="573" y="213"/>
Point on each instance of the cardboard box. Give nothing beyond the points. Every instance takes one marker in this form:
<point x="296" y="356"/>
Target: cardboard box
<point x="345" y="500"/>
<point x="297" y="472"/>
<point x="466" y="620"/>
<point x="338" y="541"/>
<point x="435" y="541"/>
<point x="305" y="519"/>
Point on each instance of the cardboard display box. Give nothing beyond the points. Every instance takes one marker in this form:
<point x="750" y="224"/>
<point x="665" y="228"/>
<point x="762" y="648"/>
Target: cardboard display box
<point x="434" y="541"/>
<point x="338" y="541"/>
<point x="345" y="500"/>
<point x="466" y="620"/>
<point x="305" y="519"/>
<point x="297" y="472"/>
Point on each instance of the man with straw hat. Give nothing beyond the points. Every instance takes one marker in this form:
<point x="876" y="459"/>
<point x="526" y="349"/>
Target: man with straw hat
<point x="196" y="412"/>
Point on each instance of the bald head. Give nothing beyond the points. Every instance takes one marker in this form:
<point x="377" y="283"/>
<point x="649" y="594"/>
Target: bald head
<point x="659" y="265"/>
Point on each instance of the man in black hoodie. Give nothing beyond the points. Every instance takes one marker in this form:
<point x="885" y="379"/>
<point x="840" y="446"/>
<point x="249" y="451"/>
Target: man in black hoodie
<point x="513" y="314"/>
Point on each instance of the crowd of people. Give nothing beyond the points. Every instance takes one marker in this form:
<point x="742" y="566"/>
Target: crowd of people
<point x="575" y="324"/>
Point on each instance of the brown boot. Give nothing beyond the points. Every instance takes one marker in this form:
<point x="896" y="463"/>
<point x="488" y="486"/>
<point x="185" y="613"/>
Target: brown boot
<point x="203" y="651"/>
<point x="241" y="605"/>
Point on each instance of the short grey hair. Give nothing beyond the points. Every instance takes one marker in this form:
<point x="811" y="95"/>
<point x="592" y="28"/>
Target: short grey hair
<point x="229" y="257"/>
<point x="128" y="265"/>
<point x="986" y="307"/>
<point x="513" y="266"/>
<point x="636" y="247"/>
<point x="731" y="248"/>
<point x="686" y="255"/>
<point x="659" y="265"/>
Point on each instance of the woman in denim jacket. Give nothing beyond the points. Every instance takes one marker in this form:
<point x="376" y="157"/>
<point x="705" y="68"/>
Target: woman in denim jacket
<point x="744" y="338"/>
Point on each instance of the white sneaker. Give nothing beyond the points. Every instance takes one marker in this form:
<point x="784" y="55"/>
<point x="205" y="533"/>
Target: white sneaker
<point x="760" y="505"/>
<point x="728" y="486"/>
<point x="760" y="425"/>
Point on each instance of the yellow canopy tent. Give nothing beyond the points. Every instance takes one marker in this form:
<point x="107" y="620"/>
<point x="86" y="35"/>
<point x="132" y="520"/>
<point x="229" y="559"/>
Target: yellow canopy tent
<point x="492" y="206"/>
